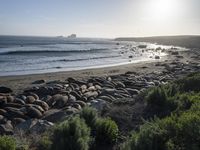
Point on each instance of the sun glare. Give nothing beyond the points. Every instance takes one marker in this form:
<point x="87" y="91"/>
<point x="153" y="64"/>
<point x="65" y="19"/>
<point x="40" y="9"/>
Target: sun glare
<point x="162" y="9"/>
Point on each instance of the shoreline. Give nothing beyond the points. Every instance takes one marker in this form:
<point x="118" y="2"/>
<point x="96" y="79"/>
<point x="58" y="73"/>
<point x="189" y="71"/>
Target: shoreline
<point x="53" y="96"/>
<point x="20" y="82"/>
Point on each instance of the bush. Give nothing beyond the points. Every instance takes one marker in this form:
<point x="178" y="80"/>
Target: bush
<point x="171" y="133"/>
<point x="90" y="116"/>
<point x="190" y="83"/>
<point x="45" y="143"/>
<point x="159" y="102"/>
<point x="7" y="143"/>
<point x="72" y="134"/>
<point x="188" y="131"/>
<point x="106" y="132"/>
<point x="150" y="137"/>
<point x="156" y="97"/>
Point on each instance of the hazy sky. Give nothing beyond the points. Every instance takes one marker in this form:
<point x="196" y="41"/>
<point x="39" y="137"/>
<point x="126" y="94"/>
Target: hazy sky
<point x="100" y="18"/>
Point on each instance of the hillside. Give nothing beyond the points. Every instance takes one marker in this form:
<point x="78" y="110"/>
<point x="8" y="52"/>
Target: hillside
<point x="184" y="41"/>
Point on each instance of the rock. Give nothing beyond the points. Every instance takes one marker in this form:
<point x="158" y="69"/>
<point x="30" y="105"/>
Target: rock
<point x="33" y="112"/>
<point x="39" y="82"/>
<point x="6" y="128"/>
<point x="157" y="57"/>
<point x="130" y="56"/>
<point x="175" y="53"/>
<point x="142" y="46"/>
<point x="35" y="126"/>
<point x="4" y="89"/>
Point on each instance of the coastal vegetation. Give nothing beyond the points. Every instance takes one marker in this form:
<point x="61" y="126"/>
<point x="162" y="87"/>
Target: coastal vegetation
<point x="171" y="121"/>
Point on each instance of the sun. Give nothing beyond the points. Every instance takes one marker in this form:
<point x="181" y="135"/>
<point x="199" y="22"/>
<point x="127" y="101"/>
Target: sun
<point x="162" y="9"/>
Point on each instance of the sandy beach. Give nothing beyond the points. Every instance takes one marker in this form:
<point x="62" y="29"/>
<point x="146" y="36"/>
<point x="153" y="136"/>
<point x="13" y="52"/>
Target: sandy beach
<point x="20" y="82"/>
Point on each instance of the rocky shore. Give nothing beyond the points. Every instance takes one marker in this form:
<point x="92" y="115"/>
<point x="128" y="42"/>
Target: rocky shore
<point x="44" y="102"/>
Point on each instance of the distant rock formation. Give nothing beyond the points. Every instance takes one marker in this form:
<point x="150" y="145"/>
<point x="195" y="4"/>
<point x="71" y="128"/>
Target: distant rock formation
<point x="72" y="36"/>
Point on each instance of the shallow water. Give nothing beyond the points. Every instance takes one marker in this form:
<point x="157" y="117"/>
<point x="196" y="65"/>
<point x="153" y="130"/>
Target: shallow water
<point x="30" y="55"/>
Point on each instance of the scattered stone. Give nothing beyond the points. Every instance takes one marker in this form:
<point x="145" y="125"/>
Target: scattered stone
<point x="157" y="57"/>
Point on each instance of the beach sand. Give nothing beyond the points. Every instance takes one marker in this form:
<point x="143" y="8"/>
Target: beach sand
<point x="20" y="82"/>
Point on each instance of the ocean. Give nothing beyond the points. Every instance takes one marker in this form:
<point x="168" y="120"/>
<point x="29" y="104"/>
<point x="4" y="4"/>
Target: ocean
<point x="20" y="55"/>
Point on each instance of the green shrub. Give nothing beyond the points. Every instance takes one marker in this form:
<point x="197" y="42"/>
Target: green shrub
<point x="171" y="133"/>
<point x="150" y="137"/>
<point x="45" y="143"/>
<point x="188" y="131"/>
<point x="106" y="132"/>
<point x="190" y="83"/>
<point x="156" y="97"/>
<point x="72" y="134"/>
<point x="159" y="102"/>
<point x="7" y="143"/>
<point x="90" y="116"/>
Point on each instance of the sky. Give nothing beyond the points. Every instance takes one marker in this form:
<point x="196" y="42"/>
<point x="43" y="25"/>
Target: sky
<point x="100" y="18"/>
